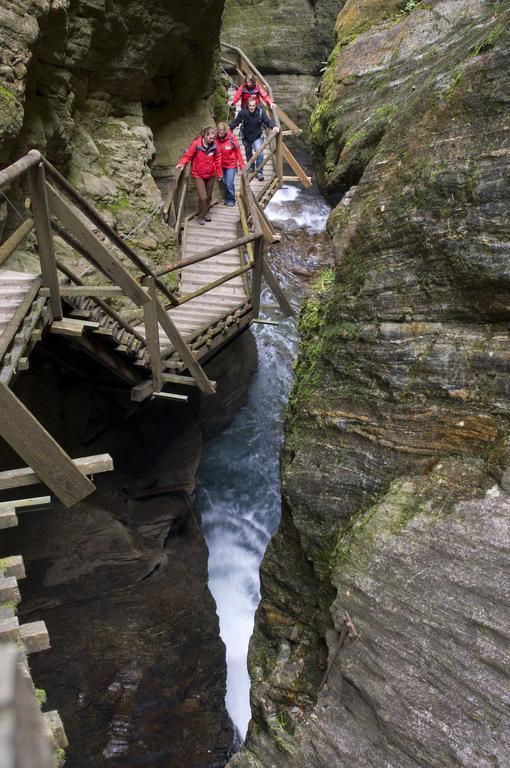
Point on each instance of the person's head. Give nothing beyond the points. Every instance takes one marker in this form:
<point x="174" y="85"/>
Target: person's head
<point x="252" y="104"/>
<point x="250" y="81"/>
<point x="222" y="129"/>
<point x="208" y="134"/>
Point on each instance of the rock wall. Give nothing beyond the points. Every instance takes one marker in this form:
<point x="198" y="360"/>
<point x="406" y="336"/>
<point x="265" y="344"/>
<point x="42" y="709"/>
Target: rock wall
<point x="288" y="40"/>
<point x="395" y="466"/>
<point x="84" y="81"/>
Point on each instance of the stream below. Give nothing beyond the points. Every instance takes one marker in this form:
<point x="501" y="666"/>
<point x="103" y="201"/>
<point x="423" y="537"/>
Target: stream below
<point x="239" y="484"/>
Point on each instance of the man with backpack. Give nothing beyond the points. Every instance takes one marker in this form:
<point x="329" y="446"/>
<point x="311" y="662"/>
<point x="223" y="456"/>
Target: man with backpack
<point x="251" y="119"/>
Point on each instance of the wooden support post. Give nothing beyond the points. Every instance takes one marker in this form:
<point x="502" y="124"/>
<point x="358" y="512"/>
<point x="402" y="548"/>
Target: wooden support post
<point x="277" y="292"/>
<point x="44" y="234"/>
<point x="97" y="253"/>
<point x="184" y="352"/>
<point x="279" y="156"/>
<point x="291" y="160"/>
<point x="152" y="333"/>
<point x="21" y="430"/>
<point x="256" y="280"/>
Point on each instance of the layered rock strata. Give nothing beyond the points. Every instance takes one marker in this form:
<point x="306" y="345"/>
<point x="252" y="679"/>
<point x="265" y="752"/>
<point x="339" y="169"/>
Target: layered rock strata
<point x="395" y="467"/>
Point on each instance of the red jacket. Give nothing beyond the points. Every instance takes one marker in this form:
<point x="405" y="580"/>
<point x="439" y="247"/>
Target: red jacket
<point x="230" y="151"/>
<point x="244" y="94"/>
<point x="205" y="162"/>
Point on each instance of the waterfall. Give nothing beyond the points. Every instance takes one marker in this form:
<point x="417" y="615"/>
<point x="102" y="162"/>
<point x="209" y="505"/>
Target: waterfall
<point x="239" y="485"/>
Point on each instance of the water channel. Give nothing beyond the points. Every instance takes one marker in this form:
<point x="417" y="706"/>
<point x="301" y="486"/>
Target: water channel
<point x="239" y="490"/>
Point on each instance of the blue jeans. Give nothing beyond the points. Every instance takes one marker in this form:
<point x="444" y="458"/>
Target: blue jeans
<point x="250" y="150"/>
<point x="229" y="175"/>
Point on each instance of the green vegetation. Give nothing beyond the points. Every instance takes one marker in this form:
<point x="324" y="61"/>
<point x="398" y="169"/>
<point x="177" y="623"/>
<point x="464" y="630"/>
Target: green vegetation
<point x="489" y="40"/>
<point x="41" y="696"/>
<point x="60" y="757"/>
<point x="409" y="6"/>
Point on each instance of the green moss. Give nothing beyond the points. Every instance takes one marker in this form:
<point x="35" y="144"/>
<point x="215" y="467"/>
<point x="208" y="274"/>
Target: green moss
<point x="60" y="757"/>
<point x="41" y="696"/>
<point x="3" y="566"/>
<point x="456" y="79"/>
<point x="489" y="40"/>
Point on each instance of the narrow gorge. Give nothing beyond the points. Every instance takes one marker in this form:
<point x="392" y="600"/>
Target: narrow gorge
<point x="376" y="499"/>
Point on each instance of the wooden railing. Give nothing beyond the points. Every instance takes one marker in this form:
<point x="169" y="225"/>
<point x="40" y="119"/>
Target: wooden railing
<point x="139" y="284"/>
<point x="235" y="59"/>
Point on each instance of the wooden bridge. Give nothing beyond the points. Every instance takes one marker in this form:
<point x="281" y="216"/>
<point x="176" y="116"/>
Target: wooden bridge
<point x="170" y="335"/>
<point x="164" y="345"/>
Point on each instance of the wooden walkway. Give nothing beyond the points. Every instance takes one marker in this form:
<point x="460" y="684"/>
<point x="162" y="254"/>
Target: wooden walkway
<point x="162" y="348"/>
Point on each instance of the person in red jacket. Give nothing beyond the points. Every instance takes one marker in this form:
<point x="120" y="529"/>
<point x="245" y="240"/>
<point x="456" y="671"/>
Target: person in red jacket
<point x="250" y="87"/>
<point x="205" y="159"/>
<point x="231" y="160"/>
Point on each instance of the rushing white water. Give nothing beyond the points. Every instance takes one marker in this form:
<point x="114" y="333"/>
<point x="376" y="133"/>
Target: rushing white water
<point x="239" y="489"/>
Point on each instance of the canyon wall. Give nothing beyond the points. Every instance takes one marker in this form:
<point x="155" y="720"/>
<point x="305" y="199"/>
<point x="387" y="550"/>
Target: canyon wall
<point x="288" y="41"/>
<point x="85" y="81"/>
<point x="396" y="463"/>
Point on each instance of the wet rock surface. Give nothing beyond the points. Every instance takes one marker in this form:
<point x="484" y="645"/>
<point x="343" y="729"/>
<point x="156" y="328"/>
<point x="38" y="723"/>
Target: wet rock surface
<point x="397" y="432"/>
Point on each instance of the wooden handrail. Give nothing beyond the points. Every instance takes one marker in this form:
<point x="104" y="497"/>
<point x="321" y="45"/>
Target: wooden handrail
<point x="209" y="286"/>
<point x="260" y="77"/>
<point x="17" y="169"/>
<point x="216" y="251"/>
<point x="101" y="224"/>
<point x="70" y="240"/>
<point x="15" y="240"/>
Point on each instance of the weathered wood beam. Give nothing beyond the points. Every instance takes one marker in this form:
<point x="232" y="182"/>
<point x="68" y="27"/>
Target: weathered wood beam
<point x="97" y="253"/>
<point x="15" y="240"/>
<point x="289" y="158"/>
<point x="28" y="438"/>
<point x="37" y="501"/>
<point x="276" y="290"/>
<point x="8" y="518"/>
<point x="228" y="246"/>
<point x="89" y="465"/>
<point x="14" y="171"/>
<point x="101" y="291"/>
<point x="45" y="246"/>
<point x="184" y="352"/>
<point x="13" y="566"/>
<point x="9" y="590"/>
<point x="150" y="312"/>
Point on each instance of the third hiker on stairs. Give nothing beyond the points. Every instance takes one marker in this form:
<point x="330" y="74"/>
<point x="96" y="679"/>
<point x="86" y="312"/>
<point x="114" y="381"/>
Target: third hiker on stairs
<point x="205" y="158"/>
<point x="231" y="159"/>
<point x="251" y="119"/>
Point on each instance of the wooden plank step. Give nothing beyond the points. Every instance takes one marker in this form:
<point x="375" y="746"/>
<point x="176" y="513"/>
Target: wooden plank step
<point x="34" y="636"/>
<point x="56" y="728"/>
<point x="9" y="629"/>
<point x="9" y="590"/>
<point x="89" y="465"/>
<point x="13" y="566"/>
<point x="8" y="518"/>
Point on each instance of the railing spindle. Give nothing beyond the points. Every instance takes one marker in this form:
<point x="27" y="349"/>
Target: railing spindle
<point x="40" y="212"/>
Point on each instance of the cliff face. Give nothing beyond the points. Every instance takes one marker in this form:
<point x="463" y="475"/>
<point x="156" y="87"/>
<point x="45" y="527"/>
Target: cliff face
<point x="395" y="467"/>
<point x="84" y="81"/>
<point x="289" y="40"/>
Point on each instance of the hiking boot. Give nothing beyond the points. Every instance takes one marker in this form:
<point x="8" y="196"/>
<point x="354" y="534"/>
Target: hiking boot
<point x="201" y="220"/>
<point x="230" y="203"/>
<point x="260" y="176"/>
<point x="207" y="217"/>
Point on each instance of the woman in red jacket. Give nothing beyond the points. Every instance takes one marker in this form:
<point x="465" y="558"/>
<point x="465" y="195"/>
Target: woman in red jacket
<point x="231" y="160"/>
<point x="250" y="87"/>
<point x="205" y="159"/>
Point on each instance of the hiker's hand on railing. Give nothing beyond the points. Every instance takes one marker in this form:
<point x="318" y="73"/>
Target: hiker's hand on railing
<point x="179" y="167"/>
<point x="273" y="105"/>
<point x="276" y="129"/>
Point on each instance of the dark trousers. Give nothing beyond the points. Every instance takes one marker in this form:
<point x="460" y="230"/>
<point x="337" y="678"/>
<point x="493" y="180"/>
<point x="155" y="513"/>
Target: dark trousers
<point x="204" y="190"/>
<point x="250" y="148"/>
